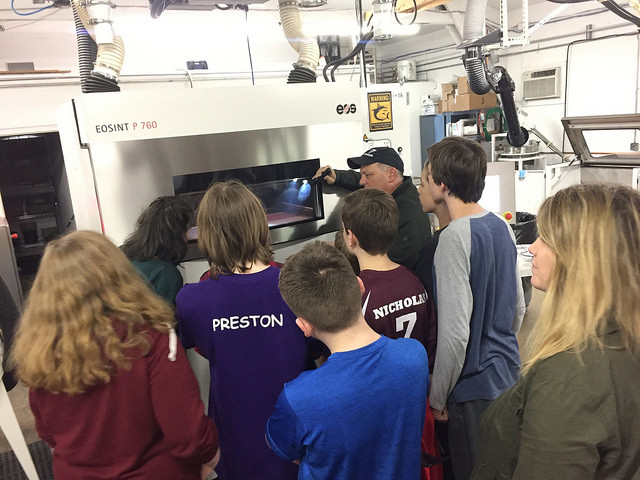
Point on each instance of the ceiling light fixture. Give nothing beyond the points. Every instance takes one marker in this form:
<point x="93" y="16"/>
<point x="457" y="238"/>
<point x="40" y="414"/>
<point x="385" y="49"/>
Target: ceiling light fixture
<point x="311" y="3"/>
<point x="382" y="20"/>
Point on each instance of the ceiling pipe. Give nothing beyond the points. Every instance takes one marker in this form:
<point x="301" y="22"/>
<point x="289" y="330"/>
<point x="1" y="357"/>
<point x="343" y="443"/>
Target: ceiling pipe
<point x="481" y="78"/>
<point x="100" y="51"/>
<point x="304" y="70"/>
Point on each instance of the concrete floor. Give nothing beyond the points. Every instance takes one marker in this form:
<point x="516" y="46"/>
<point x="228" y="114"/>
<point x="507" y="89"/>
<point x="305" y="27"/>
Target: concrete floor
<point x="20" y="401"/>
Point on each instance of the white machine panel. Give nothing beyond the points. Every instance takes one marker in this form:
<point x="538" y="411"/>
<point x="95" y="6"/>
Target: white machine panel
<point x="123" y="150"/>
<point x="122" y="116"/>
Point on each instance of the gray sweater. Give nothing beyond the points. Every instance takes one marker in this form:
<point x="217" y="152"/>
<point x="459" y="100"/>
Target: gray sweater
<point x="480" y="307"/>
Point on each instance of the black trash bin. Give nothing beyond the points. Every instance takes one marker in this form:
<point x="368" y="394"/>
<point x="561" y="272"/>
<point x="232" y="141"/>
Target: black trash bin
<point x="526" y="232"/>
<point x="525" y="228"/>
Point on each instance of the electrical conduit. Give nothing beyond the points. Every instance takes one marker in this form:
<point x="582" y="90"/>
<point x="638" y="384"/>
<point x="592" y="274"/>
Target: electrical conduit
<point x="96" y="41"/>
<point x="304" y="70"/>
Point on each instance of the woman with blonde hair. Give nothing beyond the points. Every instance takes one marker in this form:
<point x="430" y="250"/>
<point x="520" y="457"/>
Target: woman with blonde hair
<point x="111" y="391"/>
<point x="575" y="413"/>
<point x="240" y="323"/>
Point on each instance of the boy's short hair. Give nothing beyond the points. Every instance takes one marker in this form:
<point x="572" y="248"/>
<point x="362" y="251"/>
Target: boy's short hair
<point x="372" y="215"/>
<point x="461" y="164"/>
<point x="340" y="244"/>
<point x="320" y="286"/>
<point x="232" y="228"/>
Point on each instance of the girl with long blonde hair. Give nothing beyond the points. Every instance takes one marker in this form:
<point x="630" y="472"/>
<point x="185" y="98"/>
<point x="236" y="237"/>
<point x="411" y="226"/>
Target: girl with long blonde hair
<point x="575" y="413"/>
<point x="110" y="389"/>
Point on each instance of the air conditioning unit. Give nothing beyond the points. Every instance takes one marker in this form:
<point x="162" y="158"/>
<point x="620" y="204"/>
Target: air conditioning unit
<point x="540" y="84"/>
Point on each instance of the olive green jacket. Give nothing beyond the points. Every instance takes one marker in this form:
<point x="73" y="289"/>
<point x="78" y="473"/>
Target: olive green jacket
<point x="570" y="417"/>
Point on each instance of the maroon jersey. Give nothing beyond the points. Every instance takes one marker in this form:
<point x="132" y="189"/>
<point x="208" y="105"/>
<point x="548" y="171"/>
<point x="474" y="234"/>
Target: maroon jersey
<point x="395" y="304"/>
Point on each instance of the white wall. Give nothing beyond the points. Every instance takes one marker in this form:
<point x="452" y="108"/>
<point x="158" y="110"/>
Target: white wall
<point x="162" y="46"/>
<point x="596" y="68"/>
<point x="603" y="73"/>
<point x="159" y="45"/>
<point x="156" y="52"/>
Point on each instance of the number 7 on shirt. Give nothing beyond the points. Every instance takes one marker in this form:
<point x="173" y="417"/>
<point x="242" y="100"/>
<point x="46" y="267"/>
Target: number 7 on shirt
<point x="410" y="319"/>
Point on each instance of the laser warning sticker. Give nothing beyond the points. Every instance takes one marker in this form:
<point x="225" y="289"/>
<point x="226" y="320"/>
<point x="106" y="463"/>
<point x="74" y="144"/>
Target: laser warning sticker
<point x="380" y="117"/>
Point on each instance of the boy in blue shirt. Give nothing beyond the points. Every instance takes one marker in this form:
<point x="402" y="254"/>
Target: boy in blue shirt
<point x="360" y="414"/>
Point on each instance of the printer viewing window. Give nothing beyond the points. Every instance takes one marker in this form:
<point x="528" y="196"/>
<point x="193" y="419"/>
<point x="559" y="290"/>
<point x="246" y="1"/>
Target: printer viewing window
<point x="285" y="190"/>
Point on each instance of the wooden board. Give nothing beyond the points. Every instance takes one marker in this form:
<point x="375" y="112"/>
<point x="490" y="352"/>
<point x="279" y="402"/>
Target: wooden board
<point x="30" y="72"/>
<point x="404" y="6"/>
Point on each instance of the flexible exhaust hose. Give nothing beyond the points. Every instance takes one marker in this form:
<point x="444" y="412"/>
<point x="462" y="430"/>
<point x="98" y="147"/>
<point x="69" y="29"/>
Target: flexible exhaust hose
<point x="476" y="73"/>
<point x="474" y="21"/>
<point x="103" y="74"/>
<point x="301" y="75"/>
<point x="479" y="77"/>
<point x="517" y="135"/>
<point x="87" y="51"/>
<point x="473" y="30"/>
<point x="309" y="53"/>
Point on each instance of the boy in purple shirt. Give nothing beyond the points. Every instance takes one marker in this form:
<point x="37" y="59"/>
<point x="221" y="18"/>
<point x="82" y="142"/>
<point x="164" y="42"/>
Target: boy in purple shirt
<point x="238" y="320"/>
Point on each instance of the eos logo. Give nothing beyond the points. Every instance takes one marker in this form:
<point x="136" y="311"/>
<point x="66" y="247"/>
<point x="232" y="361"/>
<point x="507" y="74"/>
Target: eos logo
<point x="346" y="109"/>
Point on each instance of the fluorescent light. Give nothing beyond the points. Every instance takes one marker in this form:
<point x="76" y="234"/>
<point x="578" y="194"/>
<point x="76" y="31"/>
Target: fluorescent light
<point x="342" y="28"/>
<point x="402" y="30"/>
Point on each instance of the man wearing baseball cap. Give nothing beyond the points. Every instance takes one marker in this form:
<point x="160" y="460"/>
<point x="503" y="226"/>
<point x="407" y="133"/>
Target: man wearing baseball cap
<point x="382" y="168"/>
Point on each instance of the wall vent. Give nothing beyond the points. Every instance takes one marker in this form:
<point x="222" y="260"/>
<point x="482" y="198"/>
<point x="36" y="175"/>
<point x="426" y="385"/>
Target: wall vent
<point x="540" y="84"/>
<point x="20" y="67"/>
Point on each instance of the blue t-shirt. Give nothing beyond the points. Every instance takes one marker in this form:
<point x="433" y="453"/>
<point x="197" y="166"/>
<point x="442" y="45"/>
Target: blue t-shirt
<point x="359" y="416"/>
<point x="249" y="335"/>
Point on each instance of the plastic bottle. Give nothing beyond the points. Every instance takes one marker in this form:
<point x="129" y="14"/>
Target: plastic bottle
<point x="428" y="107"/>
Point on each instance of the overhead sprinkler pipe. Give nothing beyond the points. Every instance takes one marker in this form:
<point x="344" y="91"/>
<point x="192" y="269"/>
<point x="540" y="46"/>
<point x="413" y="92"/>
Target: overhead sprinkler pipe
<point x="481" y="78"/>
<point x="100" y="51"/>
<point x="304" y="70"/>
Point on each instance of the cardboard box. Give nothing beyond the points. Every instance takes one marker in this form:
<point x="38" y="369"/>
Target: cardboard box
<point x="463" y="86"/>
<point x="447" y="88"/>
<point x="450" y="98"/>
<point x="471" y="101"/>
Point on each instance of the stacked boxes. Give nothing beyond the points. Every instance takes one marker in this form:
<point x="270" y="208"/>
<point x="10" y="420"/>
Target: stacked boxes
<point x="448" y="95"/>
<point x="461" y="98"/>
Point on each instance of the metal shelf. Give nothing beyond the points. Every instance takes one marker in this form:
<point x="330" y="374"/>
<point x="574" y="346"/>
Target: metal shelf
<point x="30" y="249"/>
<point x="35" y="216"/>
<point x="21" y="190"/>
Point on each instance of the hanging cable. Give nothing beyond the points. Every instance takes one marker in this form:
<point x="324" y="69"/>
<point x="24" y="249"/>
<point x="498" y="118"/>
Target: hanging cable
<point x="156" y="7"/>
<point x="413" y="19"/>
<point x="336" y="63"/>
<point x="621" y="12"/>
<point x="245" y="8"/>
<point x="30" y="13"/>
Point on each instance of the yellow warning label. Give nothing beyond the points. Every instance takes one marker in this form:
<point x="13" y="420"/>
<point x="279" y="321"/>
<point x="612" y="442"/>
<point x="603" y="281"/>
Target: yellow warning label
<point x="380" y="117"/>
